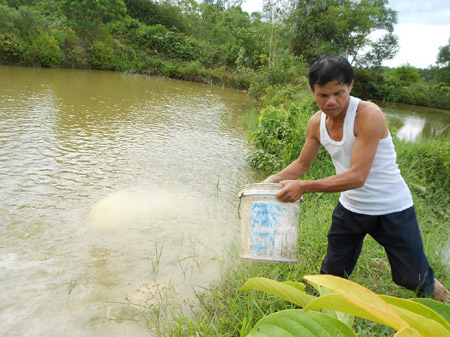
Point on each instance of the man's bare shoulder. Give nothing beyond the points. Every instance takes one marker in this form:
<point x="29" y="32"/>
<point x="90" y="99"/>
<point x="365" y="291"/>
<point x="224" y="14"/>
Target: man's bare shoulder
<point x="313" y="128"/>
<point x="367" y="107"/>
<point x="315" y="119"/>
<point x="371" y="116"/>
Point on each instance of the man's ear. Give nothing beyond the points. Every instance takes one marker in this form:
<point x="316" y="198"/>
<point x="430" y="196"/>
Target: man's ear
<point x="351" y="86"/>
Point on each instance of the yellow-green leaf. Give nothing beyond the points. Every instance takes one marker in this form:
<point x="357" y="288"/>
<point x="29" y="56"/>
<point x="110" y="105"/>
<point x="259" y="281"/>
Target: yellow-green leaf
<point x="408" y="332"/>
<point x="297" y="285"/>
<point x="355" y="306"/>
<point x="420" y="317"/>
<point x="282" y="290"/>
<point x="442" y="308"/>
<point x="360" y="297"/>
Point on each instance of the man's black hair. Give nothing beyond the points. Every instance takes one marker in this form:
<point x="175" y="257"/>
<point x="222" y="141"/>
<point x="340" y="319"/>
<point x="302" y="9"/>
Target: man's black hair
<point x="330" y="68"/>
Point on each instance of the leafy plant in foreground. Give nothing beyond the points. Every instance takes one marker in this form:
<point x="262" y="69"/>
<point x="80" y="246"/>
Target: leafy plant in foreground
<point x="322" y="316"/>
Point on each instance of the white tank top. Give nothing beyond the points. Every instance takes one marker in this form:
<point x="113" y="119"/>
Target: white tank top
<point x="385" y="190"/>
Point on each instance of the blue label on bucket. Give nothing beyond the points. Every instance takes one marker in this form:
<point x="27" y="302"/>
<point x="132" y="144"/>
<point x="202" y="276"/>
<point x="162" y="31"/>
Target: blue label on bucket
<point x="264" y="227"/>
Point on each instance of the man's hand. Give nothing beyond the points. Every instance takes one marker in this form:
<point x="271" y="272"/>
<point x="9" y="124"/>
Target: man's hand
<point x="292" y="190"/>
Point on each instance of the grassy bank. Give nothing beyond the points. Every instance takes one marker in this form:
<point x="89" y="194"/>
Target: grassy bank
<point x="277" y="136"/>
<point x="224" y="309"/>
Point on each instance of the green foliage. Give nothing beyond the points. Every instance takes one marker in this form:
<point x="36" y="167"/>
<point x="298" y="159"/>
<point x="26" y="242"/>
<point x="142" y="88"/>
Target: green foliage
<point x="426" y="163"/>
<point x="101" y="55"/>
<point x="408" y="317"/>
<point x="11" y="48"/>
<point x="280" y="132"/>
<point x="436" y="75"/>
<point x="156" y="13"/>
<point x="73" y="53"/>
<point x="342" y="27"/>
<point x="406" y="75"/>
<point x="158" y="39"/>
<point x="278" y="138"/>
<point x="400" y="85"/>
<point x="43" y="51"/>
<point x="89" y="14"/>
<point x="443" y="57"/>
<point x="24" y="22"/>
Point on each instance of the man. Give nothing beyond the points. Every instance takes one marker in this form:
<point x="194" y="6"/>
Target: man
<point x="374" y="197"/>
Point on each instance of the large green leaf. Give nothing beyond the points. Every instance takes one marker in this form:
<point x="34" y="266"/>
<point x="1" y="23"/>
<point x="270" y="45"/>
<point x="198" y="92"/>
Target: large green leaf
<point x="298" y="323"/>
<point x="442" y="308"/>
<point x="291" y="293"/>
<point x="420" y="317"/>
<point x="354" y="299"/>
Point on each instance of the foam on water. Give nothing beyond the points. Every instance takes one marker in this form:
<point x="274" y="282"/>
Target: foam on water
<point x="144" y="208"/>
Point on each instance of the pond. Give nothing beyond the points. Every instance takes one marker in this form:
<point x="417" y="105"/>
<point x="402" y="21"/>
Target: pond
<point x="119" y="198"/>
<point x="414" y="122"/>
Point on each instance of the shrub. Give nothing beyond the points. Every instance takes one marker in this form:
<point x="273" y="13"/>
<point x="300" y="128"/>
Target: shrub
<point x="73" y="53"/>
<point x="158" y="39"/>
<point x="193" y="71"/>
<point x="280" y="135"/>
<point x="44" y="51"/>
<point x="11" y="48"/>
<point x="101" y="55"/>
<point x="406" y="75"/>
<point x="76" y="58"/>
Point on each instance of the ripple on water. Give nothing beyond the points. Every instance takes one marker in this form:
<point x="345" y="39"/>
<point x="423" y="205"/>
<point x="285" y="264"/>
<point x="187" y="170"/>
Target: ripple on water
<point x="118" y="194"/>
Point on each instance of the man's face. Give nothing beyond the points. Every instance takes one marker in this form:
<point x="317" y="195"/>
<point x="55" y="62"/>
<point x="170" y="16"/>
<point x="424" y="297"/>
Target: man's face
<point x="332" y="98"/>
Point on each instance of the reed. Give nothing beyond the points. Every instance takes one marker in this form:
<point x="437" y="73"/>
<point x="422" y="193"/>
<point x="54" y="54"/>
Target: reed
<point x="156" y="261"/>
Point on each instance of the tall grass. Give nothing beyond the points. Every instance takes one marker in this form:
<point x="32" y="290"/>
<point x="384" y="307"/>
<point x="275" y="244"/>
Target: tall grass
<point x="225" y="311"/>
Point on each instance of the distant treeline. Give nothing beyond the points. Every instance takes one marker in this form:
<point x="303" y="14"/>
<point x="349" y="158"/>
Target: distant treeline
<point x="216" y="42"/>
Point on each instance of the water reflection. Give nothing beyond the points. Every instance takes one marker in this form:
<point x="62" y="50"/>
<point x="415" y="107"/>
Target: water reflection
<point x="414" y="122"/>
<point x="411" y="129"/>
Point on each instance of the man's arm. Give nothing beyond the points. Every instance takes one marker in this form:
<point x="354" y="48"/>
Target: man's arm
<point x="370" y="126"/>
<point x="307" y="155"/>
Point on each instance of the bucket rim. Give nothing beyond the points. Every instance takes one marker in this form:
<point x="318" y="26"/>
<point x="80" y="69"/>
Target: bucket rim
<point x="263" y="189"/>
<point x="260" y="188"/>
<point x="261" y="185"/>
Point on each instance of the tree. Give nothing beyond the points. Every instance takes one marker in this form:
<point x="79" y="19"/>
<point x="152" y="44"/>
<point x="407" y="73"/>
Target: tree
<point x="344" y="27"/>
<point x="276" y="12"/>
<point x="442" y="72"/>
<point x="406" y="75"/>
<point x="443" y="58"/>
<point x="90" y="14"/>
<point x="157" y="13"/>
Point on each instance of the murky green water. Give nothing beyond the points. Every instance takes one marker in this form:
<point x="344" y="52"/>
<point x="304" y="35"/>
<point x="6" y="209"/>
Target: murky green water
<point x="118" y="197"/>
<point x="414" y="122"/>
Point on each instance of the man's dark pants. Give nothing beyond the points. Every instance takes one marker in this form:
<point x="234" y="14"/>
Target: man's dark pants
<point x="397" y="232"/>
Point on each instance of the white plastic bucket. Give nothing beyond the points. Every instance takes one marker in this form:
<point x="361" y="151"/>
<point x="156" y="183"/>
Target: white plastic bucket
<point x="269" y="227"/>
